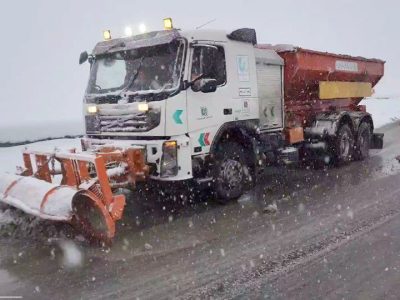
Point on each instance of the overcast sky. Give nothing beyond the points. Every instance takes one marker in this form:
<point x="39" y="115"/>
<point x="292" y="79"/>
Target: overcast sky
<point x="42" y="39"/>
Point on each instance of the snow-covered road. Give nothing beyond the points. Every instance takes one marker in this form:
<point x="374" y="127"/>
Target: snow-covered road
<point x="332" y="230"/>
<point x="333" y="234"/>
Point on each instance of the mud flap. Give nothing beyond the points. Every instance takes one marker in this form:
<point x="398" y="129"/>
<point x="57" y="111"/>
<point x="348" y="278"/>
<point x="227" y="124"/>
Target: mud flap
<point x="377" y="141"/>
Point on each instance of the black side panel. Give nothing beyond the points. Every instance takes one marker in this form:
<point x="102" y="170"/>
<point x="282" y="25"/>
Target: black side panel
<point x="270" y="142"/>
<point x="247" y="35"/>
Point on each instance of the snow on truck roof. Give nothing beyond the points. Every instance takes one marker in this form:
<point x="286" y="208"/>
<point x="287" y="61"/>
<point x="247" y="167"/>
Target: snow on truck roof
<point x="267" y="52"/>
<point x="137" y="41"/>
<point x="154" y="38"/>
<point x="246" y="35"/>
<point x="206" y="35"/>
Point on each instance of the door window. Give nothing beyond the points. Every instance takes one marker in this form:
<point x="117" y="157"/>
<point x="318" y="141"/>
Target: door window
<point x="209" y="61"/>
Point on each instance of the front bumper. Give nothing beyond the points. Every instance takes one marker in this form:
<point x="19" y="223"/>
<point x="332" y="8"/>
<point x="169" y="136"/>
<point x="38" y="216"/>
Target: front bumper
<point x="153" y="153"/>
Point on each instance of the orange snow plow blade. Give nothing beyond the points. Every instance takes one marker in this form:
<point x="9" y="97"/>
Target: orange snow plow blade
<point x="84" y="195"/>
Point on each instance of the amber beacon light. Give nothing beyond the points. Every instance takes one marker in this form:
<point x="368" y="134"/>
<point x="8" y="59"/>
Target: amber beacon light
<point x="168" y="24"/>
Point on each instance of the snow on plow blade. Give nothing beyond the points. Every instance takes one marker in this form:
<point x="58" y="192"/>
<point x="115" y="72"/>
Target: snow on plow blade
<point x="85" y="195"/>
<point x="36" y="197"/>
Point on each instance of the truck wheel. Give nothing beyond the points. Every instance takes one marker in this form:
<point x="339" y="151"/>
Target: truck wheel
<point x="229" y="175"/>
<point x="344" y="144"/>
<point x="363" y="141"/>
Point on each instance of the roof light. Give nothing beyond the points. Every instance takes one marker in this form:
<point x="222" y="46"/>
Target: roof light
<point x="107" y="35"/>
<point x="128" y="31"/>
<point x="142" y="28"/>
<point x="168" y="24"/>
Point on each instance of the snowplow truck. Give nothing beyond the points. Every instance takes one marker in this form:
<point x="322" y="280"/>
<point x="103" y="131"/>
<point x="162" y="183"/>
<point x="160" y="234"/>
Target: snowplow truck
<point x="204" y="106"/>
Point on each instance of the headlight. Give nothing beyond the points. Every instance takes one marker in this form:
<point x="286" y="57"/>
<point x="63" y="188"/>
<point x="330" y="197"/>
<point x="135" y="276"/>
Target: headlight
<point x="169" y="160"/>
<point x="143" y="107"/>
<point x="91" y="109"/>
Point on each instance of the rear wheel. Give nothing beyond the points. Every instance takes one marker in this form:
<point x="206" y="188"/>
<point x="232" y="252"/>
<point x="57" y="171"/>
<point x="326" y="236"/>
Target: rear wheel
<point x="229" y="173"/>
<point x="363" y="141"/>
<point x="343" y="145"/>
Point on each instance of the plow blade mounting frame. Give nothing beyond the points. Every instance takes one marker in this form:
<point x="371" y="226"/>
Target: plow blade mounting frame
<point x="85" y="196"/>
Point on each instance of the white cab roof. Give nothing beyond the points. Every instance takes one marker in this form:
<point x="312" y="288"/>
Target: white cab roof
<point x="205" y="35"/>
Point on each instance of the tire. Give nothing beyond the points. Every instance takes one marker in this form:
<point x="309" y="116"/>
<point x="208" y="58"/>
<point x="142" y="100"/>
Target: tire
<point x="343" y="145"/>
<point x="363" y="142"/>
<point x="229" y="173"/>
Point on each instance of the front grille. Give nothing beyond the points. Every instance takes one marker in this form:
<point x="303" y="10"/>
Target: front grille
<point x="133" y="122"/>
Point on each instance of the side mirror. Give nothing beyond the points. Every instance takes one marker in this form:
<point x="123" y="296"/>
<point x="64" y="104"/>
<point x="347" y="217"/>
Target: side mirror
<point x="205" y="85"/>
<point x="83" y="57"/>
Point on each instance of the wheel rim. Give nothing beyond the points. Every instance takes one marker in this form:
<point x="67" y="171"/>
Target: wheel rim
<point x="231" y="174"/>
<point x="364" y="142"/>
<point x="344" y="145"/>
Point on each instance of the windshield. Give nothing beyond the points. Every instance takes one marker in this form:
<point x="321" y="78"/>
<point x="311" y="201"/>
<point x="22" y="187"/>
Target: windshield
<point x="145" y="70"/>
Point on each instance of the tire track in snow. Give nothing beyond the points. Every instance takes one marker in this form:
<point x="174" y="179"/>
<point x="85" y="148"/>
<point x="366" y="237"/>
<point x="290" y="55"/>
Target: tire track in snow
<point x="282" y="264"/>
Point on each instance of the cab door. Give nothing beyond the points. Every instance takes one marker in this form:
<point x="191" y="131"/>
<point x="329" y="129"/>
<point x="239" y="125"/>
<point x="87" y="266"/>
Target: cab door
<point x="207" y="109"/>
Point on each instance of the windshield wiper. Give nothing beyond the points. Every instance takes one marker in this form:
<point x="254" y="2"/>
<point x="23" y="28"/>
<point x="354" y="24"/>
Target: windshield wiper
<point x="107" y="98"/>
<point x="132" y="79"/>
<point x="153" y="95"/>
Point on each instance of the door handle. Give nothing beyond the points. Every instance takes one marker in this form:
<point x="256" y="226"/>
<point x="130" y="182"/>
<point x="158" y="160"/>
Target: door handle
<point x="227" y="111"/>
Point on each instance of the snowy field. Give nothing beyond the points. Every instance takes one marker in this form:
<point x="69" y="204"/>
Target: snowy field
<point x="10" y="157"/>
<point x="16" y="133"/>
<point x="383" y="111"/>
